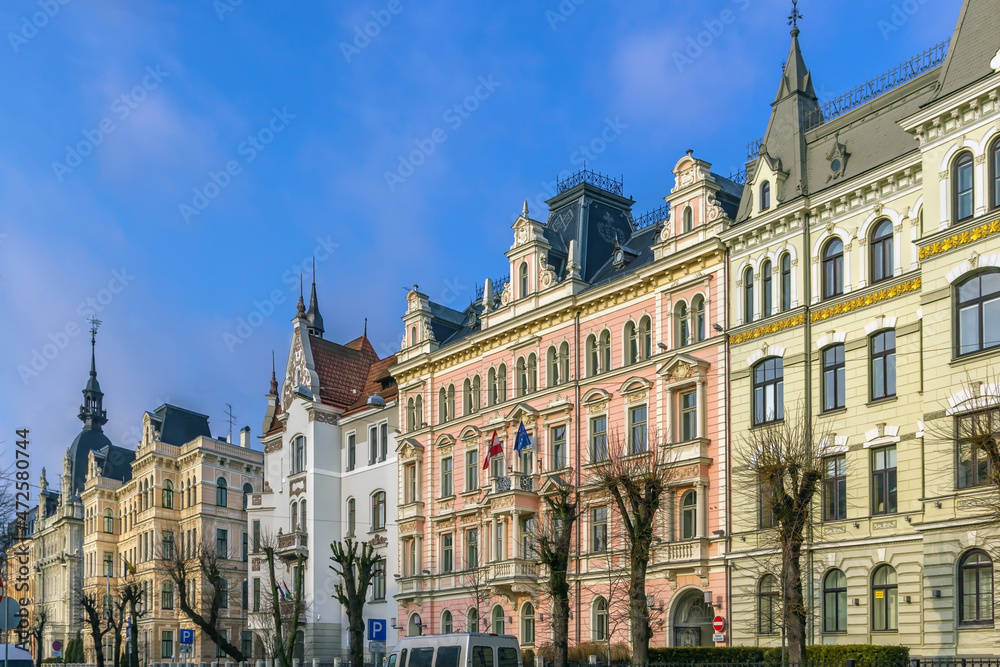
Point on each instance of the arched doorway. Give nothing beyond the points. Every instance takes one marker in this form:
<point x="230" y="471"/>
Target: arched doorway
<point x="413" y="625"/>
<point x="691" y="624"/>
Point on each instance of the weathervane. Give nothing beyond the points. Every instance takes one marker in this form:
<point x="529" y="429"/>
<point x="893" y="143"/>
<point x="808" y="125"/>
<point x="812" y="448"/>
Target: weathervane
<point x="793" y="18"/>
<point x="94" y="324"/>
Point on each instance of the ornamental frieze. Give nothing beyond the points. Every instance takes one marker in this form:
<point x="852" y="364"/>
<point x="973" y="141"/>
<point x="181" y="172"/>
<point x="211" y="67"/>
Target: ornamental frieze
<point x="296" y="487"/>
<point x="865" y="301"/>
<point x="769" y="328"/>
<point x="959" y="240"/>
<point x="322" y="417"/>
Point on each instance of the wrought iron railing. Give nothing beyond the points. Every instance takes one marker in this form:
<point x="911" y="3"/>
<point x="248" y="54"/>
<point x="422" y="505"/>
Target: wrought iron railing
<point x="498" y="286"/>
<point x="609" y="183"/>
<point x="753" y="148"/>
<point x="739" y="177"/>
<point x="653" y="217"/>
<point x="871" y="89"/>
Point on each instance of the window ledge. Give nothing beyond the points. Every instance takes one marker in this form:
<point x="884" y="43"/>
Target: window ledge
<point x="975" y="356"/>
<point x="880" y="401"/>
<point x="975" y="625"/>
<point x="444" y="499"/>
<point x="470" y="492"/>
<point x="833" y="412"/>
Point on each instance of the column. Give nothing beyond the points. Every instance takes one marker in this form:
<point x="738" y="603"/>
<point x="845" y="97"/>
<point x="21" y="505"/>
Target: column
<point x="703" y="408"/>
<point x="516" y="534"/>
<point x="668" y="417"/>
<point x="671" y="514"/>
<point x="701" y="530"/>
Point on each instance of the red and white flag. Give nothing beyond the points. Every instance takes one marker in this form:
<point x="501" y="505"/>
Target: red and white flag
<point x="495" y="449"/>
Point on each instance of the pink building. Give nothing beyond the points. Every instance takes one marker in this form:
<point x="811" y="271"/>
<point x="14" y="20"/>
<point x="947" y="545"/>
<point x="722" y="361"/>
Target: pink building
<point x="604" y="338"/>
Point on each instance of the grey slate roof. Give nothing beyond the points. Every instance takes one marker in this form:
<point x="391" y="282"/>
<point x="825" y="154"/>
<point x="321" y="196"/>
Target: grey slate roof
<point x="178" y="426"/>
<point x="973" y="45"/>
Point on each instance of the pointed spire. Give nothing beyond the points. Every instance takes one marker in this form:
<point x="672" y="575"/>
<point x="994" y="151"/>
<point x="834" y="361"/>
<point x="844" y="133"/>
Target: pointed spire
<point x="315" y="319"/>
<point x="366" y="328"/>
<point x="274" y="378"/>
<point x="796" y="78"/>
<point x="300" y="310"/>
<point x="92" y="412"/>
<point x="524" y="211"/>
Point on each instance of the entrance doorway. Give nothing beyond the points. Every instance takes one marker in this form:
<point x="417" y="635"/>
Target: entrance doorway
<point x="692" y="621"/>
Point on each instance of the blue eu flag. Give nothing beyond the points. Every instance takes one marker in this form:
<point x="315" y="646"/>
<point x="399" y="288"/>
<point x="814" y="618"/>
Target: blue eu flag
<point x="522" y="441"/>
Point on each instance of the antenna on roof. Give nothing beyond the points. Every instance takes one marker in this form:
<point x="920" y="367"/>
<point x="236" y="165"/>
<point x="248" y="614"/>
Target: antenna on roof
<point x="231" y="418"/>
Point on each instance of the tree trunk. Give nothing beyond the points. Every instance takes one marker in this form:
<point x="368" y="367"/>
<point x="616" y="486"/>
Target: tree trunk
<point x="356" y="631"/>
<point x="638" y="609"/>
<point x="793" y="611"/>
<point x="560" y="630"/>
<point x="133" y="652"/>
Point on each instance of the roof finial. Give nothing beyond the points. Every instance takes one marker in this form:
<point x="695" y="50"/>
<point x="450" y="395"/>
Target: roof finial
<point x="274" y="378"/>
<point x="94" y="325"/>
<point x="793" y="18"/>
<point x="315" y="319"/>
<point x="524" y="211"/>
<point x="366" y="328"/>
<point x="301" y="308"/>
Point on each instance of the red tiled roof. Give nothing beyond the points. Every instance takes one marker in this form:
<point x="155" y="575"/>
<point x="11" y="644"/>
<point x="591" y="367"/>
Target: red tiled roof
<point x="275" y="424"/>
<point x="378" y="375"/>
<point x="343" y="369"/>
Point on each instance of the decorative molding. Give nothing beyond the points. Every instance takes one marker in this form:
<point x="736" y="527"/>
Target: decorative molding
<point x="322" y="417"/>
<point x="884" y="525"/>
<point x="272" y="447"/>
<point x="769" y="328"/>
<point x="865" y="301"/>
<point x="959" y="240"/>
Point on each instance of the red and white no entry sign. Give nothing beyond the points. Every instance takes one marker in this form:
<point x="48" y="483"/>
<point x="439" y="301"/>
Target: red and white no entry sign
<point x="719" y="623"/>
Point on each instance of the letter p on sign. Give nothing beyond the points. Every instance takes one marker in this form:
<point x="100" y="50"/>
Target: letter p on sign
<point x="376" y="629"/>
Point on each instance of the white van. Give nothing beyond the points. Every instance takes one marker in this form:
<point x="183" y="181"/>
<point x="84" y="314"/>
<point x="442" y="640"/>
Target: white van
<point x="463" y="649"/>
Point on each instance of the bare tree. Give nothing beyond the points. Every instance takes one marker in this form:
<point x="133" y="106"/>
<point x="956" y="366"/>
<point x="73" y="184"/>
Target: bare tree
<point x="132" y="598"/>
<point x="285" y="608"/>
<point x="97" y="610"/>
<point x="206" y="570"/>
<point x="617" y="580"/>
<point x="783" y="461"/>
<point x="476" y="578"/>
<point x="553" y="544"/>
<point x="636" y="479"/>
<point x="37" y="631"/>
<point x="356" y="569"/>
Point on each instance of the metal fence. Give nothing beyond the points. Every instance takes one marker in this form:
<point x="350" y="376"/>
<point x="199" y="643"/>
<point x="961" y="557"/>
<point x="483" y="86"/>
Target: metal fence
<point x="913" y="662"/>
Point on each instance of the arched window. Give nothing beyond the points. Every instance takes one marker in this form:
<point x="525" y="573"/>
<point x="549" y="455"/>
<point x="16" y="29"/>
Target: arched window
<point x="631" y="343"/>
<point x="493" y="389"/>
<point x="446" y="625"/>
<point x="419" y="408"/>
<point x="748" y="295"/>
<point x="765" y="195"/>
<point x="786" y="282"/>
<point x="689" y="514"/>
<point x="451" y="402"/>
<point x="521" y="373"/>
<point x="168" y="495"/>
<point x="528" y="623"/>
<point x="352" y="516"/>
<point x="302" y="516"/>
<point x="564" y="362"/>
<point x="442" y="405"/>
<point x="298" y="454"/>
<point x="378" y="510"/>
<point x="593" y="358"/>
<point x="476" y="393"/>
<point x="472" y="620"/>
<point x="768" y="391"/>
<point x="109" y="522"/>
<point x="978" y="316"/>
<point x="698" y="315"/>
<point x="411" y="415"/>
<point x="247" y="492"/>
<point x="221" y="492"/>
<point x="765" y="288"/>
<point x="523" y="272"/>
<point x="688" y="219"/>
<point x="532" y="373"/>
<point x="994" y="157"/>
<point x="497" y="620"/>
<point x="552" y="367"/>
<point x="881" y="251"/>
<point x="683" y="325"/>
<point x="645" y="337"/>
<point x="768" y="620"/>
<point x="295" y="518"/>
<point x="601" y="625"/>
<point x="885" y="603"/>
<point x="502" y="383"/>
<point x="975" y="589"/>
<point x="833" y="268"/>
<point x="835" y="602"/>
<point x="413" y="335"/>
<point x="604" y="343"/>
<point x="962" y="188"/>
<point x="467" y="408"/>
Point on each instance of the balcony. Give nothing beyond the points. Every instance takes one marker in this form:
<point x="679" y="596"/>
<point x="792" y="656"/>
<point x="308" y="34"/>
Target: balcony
<point x="291" y="545"/>
<point x="688" y="451"/>
<point x="512" y="576"/>
<point x="410" y="589"/>
<point x="516" y="482"/>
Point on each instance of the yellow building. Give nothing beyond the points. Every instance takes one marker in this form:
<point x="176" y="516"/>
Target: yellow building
<point x="864" y="291"/>
<point x="187" y="491"/>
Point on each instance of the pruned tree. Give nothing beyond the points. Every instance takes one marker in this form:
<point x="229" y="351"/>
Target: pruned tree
<point x="783" y="462"/>
<point x="132" y="599"/>
<point x="97" y="611"/>
<point x="553" y="543"/>
<point x="37" y="631"/>
<point x="617" y="580"/>
<point x="355" y="563"/>
<point x="635" y="478"/>
<point x="206" y="570"/>
<point x="476" y="582"/>
<point x="283" y="610"/>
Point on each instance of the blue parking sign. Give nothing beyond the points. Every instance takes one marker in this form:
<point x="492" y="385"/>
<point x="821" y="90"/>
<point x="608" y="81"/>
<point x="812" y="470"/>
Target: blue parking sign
<point x="376" y="629"/>
<point x="187" y="636"/>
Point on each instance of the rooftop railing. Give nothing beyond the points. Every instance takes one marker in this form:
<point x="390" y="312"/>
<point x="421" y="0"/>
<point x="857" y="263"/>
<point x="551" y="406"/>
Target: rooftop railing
<point x="608" y="183"/>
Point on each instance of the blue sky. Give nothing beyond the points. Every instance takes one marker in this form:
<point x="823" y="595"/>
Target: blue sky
<point x="172" y="166"/>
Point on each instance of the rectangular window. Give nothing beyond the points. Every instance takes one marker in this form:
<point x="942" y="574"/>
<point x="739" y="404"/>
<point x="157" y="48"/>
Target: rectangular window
<point x="109" y="564"/>
<point x="256" y="594"/>
<point x="833" y="378"/>
<point x="447" y="553"/>
<point x="167" y="547"/>
<point x="378" y="581"/>
<point x="974" y="467"/>
<point x="383" y="442"/>
<point x="246" y="642"/>
<point x="222" y="542"/>
<point x="167" y="644"/>
<point x="167" y="595"/>
<point x="219" y="653"/>
<point x="447" y="487"/>
<point x="835" y="488"/>
<point x="224" y="596"/>
<point x="689" y="415"/>
<point x="372" y="445"/>
<point x="599" y="439"/>
<point x="557" y="439"/>
<point x="599" y="529"/>
<point x="766" y="506"/>
<point x="471" y="471"/>
<point x="637" y="430"/>
<point x="256" y="535"/>
<point x="410" y="475"/>
<point x="246" y="548"/>
<point x="499" y="554"/>
<point x="884" y="480"/>
<point x="352" y="452"/>
<point x="883" y="360"/>
<point x="471" y="548"/>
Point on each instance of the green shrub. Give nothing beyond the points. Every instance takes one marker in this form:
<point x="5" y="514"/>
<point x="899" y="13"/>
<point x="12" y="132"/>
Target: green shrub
<point x="527" y="657"/>
<point x="581" y="652"/>
<point x="701" y="656"/>
<point x="899" y="655"/>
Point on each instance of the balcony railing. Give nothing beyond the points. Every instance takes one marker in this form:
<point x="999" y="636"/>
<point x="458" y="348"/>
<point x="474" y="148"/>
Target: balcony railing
<point x="515" y="482"/>
<point x="291" y="543"/>
<point x="653" y="217"/>
<point x="513" y="569"/>
<point x="607" y="183"/>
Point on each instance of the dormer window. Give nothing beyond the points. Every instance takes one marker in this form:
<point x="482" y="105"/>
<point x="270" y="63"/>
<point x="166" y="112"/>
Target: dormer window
<point x="523" y="273"/>
<point x="688" y="219"/>
<point x="765" y="195"/>
<point x="413" y="335"/>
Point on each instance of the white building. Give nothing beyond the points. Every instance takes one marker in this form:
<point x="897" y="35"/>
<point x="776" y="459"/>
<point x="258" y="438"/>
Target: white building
<point x="329" y="473"/>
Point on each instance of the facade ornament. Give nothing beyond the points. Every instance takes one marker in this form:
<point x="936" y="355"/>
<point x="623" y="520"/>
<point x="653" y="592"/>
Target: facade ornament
<point x="547" y="273"/>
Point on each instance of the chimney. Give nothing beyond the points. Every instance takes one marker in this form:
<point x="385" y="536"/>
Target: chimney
<point x="245" y="437"/>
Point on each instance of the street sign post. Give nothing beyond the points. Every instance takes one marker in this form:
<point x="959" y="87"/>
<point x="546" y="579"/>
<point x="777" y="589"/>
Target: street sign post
<point x="376" y="647"/>
<point x="719" y="624"/>
<point x="57" y="649"/>
<point x="377" y="629"/>
<point x="10" y="614"/>
<point x="187" y="636"/>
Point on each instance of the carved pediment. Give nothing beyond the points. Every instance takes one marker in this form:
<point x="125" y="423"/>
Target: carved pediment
<point x="682" y="367"/>
<point x="409" y="448"/>
<point x="522" y="412"/>
<point x="634" y="385"/>
<point x="469" y="433"/>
